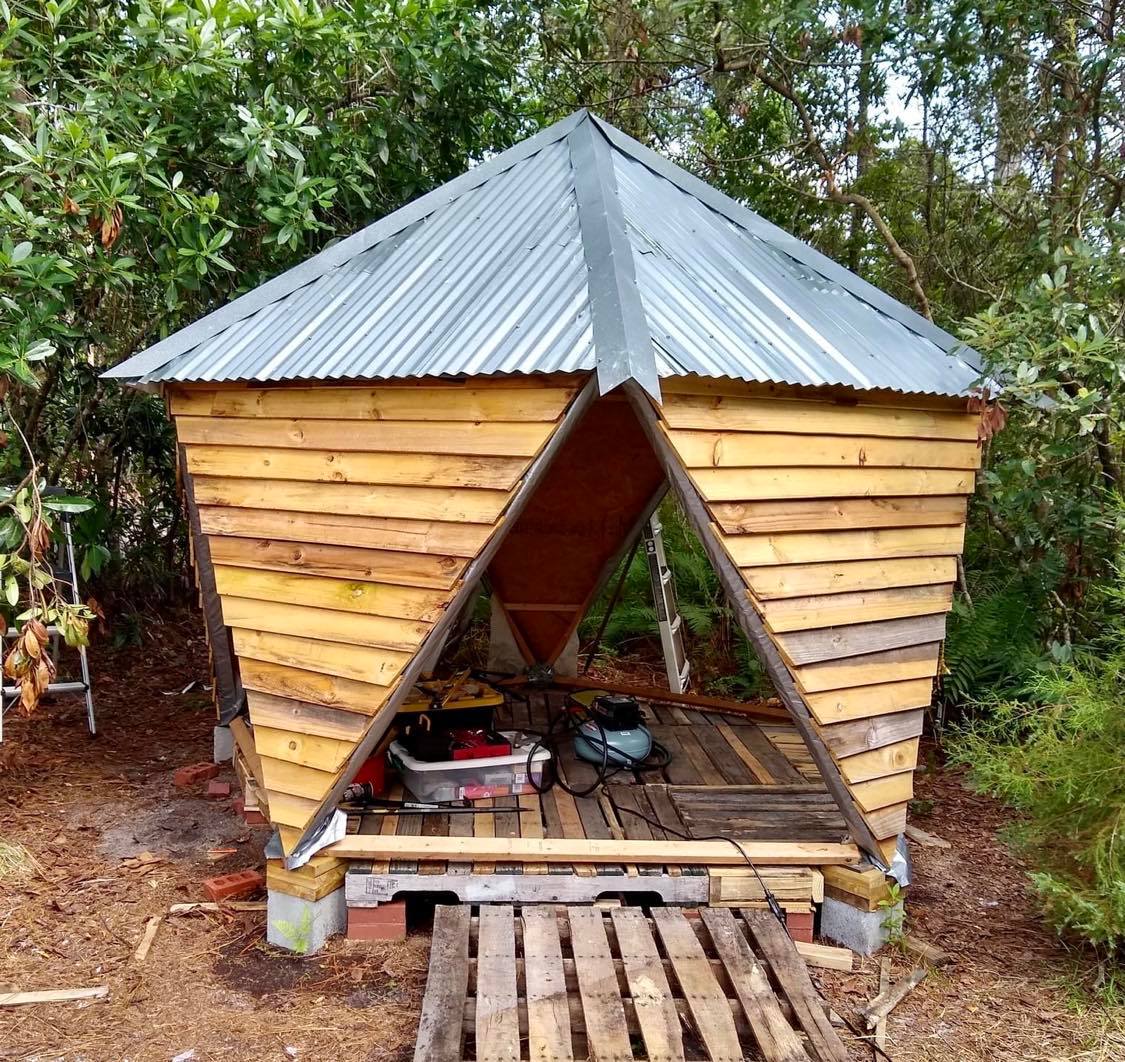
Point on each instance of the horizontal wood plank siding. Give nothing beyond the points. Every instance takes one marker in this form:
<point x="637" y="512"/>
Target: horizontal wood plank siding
<point x="340" y="520"/>
<point x="845" y="519"/>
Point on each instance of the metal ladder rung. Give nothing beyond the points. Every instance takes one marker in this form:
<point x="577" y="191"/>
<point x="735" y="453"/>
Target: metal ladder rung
<point x="52" y="687"/>
<point x="668" y="618"/>
<point x="13" y="632"/>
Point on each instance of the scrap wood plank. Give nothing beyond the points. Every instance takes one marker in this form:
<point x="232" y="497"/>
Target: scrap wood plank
<point x="709" y="1007"/>
<point x="606" y="1030"/>
<point x="891" y="996"/>
<point x="548" y="1007"/>
<point x="926" y="839"/>
<point x="439" y="1029"/>
<point x="774" y="1035"/>
<point x="791" y="974"/>
<point x="593" y="850"/>
<point x="52" y="995"/>
<point x="147" y="938"/>
<point x="497" y="1024"/>
<point x="648" y="985"/>
<point x="884" y="984"/>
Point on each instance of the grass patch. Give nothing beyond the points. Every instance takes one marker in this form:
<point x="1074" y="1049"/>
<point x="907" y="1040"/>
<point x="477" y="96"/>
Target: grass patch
<point x="17" y="864"/>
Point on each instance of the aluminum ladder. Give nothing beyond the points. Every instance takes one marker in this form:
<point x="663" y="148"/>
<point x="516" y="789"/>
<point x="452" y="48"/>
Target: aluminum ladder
<point x="668" y="618"/>
<point x="9" y="695"/>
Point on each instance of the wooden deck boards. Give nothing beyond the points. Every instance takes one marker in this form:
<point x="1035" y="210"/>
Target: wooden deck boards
<point x="711" y="788"/>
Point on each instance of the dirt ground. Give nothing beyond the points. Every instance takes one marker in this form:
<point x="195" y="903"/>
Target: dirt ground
<point x="211" y="988"/>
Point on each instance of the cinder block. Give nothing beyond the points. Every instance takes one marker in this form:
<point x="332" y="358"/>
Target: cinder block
<point x="303" y="926"/>
<point x="223" y="744"/>
<point x="229" y="886"/>
<point x="865" y="932"/>
<point x="217" y="790"/>
<point x="196" y="774"/>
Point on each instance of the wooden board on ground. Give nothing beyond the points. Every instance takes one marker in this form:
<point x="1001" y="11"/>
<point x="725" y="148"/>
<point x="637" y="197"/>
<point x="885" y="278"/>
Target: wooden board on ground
<point x="591" y="983"/>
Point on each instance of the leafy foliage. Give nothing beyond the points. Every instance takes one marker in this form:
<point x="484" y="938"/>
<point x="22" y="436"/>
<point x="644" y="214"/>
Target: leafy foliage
<point x="721" y="659"/>
<point x="992" y="642"/>
<point x="160" y="157"/>
<point x="1055" y="753"/>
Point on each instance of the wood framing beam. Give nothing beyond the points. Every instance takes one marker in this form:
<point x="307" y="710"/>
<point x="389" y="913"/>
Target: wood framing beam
<point x="224" y="664"/>
<point x="589" y="850"/>
<point x="307" y="844"/>
<point x="612" y="564"/>
<point x="752" y="625"/>
<point x="762" y="712"/>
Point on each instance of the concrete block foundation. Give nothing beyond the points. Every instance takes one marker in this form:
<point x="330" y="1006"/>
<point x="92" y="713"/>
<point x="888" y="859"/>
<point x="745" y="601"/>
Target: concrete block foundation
<point x="223" y="743"/>
<point x="865" y="932"/>
<point x="303" y="926"/>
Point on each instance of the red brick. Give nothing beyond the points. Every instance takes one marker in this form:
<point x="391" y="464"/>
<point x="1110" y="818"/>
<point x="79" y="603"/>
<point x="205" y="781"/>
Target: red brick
<point x="217" y="790"/>
<point x="389" y="931"/>
<point x="196" y="774"/>
<point x="231" y="886"/>
<point x="384" y="914"/>
<point x="800" y="925"/>
<point x="252" y="817"/>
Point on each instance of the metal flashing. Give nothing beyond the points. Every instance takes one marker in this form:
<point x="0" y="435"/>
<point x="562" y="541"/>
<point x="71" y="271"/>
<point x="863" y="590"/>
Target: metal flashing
<point x="622" y="340"/>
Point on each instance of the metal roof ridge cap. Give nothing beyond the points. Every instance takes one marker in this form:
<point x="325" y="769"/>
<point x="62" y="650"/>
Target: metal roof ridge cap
<point x="623" y="346"/>
<point x="160" y="353"/>
<point x="784" y="241"/>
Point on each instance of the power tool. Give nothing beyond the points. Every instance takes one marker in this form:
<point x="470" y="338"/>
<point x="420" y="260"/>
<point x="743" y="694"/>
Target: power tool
<point x="613" y="733"/>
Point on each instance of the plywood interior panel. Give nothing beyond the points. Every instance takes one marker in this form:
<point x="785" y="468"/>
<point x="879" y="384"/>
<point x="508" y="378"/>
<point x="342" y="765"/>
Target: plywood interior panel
<point x="845" y="518"/>
<point x="340" y="520"/>
<point x="547" y="570"/>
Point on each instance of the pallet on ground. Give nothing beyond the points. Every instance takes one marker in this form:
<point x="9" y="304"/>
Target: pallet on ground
<point x="580" y="983"/>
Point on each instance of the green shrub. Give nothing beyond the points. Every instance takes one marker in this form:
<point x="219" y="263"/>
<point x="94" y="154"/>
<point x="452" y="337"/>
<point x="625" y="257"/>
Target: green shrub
<point x="1057" y="754"/>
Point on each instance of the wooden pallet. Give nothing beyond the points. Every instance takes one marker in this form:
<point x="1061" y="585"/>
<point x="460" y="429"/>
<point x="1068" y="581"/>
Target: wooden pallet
<point x="546" y="983"/>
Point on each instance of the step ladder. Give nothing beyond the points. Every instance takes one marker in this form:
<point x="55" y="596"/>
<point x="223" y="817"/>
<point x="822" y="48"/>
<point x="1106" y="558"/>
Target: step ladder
<point x="65" y="571"/>
<point x="668" y="617"/>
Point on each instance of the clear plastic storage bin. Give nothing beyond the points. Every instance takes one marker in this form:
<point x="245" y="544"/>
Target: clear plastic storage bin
<point x="472" y="779"/>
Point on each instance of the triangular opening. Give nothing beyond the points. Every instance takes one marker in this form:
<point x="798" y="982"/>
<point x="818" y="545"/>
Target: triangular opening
<point x="586" y="512"/>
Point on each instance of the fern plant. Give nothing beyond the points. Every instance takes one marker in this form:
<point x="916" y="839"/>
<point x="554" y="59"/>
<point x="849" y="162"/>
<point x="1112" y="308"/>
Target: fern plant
<point x="994" y="641"/>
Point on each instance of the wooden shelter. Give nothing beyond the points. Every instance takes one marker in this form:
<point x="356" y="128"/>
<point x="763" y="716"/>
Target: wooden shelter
<point x="500" y="381"/>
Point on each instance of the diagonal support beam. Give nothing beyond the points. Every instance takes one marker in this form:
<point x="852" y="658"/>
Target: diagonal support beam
<point x="752" y="626"/>
<point x="224" y="662"/>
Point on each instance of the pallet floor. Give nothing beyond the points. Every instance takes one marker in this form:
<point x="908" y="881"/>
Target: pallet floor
<point x="546" y="983"/>
<point x="728" y="776"/>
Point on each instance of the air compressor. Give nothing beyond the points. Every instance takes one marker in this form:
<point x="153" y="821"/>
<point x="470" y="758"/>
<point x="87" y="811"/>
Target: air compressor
<point x="613" y="733"/>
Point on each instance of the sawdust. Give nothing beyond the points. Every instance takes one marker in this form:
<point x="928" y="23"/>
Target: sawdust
<point x="118" y="843"/>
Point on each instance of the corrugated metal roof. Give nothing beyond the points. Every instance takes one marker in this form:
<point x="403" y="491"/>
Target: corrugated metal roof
<point x="631" y="267"/>
<point x="722" y="302"/>
<point x="490" y="283"/>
